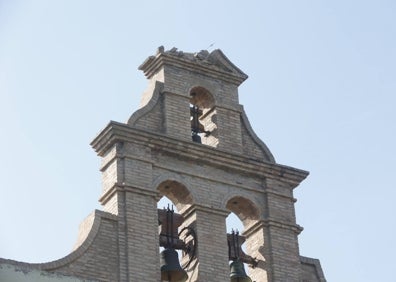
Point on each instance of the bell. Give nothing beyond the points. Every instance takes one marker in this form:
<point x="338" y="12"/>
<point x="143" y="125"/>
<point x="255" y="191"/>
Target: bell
<point x="196" y="138"/>
<point x="237" y="272"/>
<point x="170" y="267"/>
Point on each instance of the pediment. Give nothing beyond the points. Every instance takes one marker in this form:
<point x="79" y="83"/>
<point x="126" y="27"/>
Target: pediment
<point x="220" y="60"/>
<point x="215" y="63"/>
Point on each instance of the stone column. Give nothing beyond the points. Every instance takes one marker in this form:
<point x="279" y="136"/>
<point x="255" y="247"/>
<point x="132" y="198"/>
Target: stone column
<point x="142" y="241"/>
<point x="127" y="193"/>
<point x="276" y="248"/>
<point x="212" y="253"/>
<point x="177" y="116"/>
<point x="229" y="129"/>
<point x="273" y="239"/>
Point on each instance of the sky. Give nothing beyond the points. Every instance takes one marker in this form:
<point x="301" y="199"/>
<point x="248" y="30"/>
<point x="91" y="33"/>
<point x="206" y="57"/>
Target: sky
<point x="320" y="94"/>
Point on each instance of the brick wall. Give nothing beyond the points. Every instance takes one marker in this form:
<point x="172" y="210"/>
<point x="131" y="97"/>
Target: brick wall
<point x="153" y="155"/>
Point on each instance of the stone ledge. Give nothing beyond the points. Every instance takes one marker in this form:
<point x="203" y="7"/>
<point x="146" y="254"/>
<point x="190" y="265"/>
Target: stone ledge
<point x="215" y="65"/>
<point x="249" y="230"/>
<point x="120" y="132"/>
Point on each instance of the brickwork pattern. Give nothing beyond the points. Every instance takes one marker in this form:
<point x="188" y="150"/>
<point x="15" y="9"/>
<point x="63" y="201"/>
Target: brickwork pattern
<point x="152" y="114"/>
<point x="143" y="241"/>
<point x="177" y="116"/>
<point x="153" y="155"/>
<point x="212" y="248"/>
<point x="100" y="261"/>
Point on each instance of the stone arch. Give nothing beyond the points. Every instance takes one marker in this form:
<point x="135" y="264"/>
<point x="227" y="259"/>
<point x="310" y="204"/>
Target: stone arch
<point x="248" y="212"/>
<point x="180" y="198"/>
<point x="244" y="208"/>
<point x="203" y="116"/>
<point x="177" y="192"/>
<point x="201" y="97"/>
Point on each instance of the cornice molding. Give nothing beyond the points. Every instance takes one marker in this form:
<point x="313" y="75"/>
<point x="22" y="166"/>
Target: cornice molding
<point x="208" y="66"/>
<point x="116" y="132"/>
<point x="258" y="225"/>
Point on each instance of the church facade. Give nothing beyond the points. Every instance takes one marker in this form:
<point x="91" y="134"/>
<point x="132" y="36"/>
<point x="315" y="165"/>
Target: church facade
<point x="190" y="141"/>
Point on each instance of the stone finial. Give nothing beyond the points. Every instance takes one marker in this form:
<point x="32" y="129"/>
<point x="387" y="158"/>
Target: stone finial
<point x="160" y="49"/>
<point x="202" y="55"/>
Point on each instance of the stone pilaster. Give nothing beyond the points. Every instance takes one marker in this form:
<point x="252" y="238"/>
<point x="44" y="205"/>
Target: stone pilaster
<point x="177" y="116"/>
<point x="212" y="253"/>
<point x="275" y="247"/>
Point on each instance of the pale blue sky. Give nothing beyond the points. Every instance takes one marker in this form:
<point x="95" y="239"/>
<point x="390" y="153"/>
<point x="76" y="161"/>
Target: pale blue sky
<point x="320" y="94"/>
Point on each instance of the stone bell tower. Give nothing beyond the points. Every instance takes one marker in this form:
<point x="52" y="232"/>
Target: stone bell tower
<point x="190" y="141"/>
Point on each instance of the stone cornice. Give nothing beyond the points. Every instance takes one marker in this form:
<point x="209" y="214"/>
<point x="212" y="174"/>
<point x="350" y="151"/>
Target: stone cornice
<point x="258" y="225"/>
<point x="119" y="132"/>
<point x="209" y="66"/>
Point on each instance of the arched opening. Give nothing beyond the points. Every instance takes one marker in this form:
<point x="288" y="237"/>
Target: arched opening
<point x="235" y="226"/>
<point x="203" y="117"/>
<point x="243" y="214"/>
<point x="244" y="209"/>
<point x="172" y="238"/>
<point x="175" y="192"/>
<point x="234" y="223"/>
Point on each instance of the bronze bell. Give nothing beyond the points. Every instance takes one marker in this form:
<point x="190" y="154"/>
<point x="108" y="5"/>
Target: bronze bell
<point x="170" y="267"/>
<point x="237" y="272"/>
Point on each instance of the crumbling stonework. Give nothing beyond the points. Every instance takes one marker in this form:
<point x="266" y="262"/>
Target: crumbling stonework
<point x="227" y="169"/>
